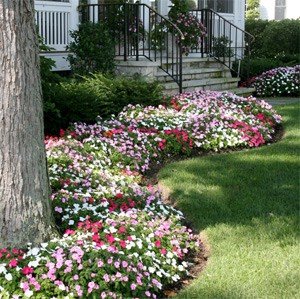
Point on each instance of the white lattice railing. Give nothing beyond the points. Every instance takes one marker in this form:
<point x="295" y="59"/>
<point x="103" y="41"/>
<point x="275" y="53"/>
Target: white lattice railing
<point x="55" y="20"/>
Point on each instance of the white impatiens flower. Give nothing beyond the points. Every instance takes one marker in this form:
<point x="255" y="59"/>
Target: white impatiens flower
<point x="8" y="277"/>
<point x="180" y="268"/>
<point x="28" y="293"/>
<point x="151" y="270"/>
<point x="3" y="269"/>
<point x="33" y="251"/>
<point x="33" y="264"/>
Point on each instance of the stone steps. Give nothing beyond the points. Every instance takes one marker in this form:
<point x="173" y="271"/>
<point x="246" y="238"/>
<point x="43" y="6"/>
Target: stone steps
<point x="198" y="74"/>
<point x="195" y="74"/>
<point x="203" y="84"/>
<point x="242" y="91"/>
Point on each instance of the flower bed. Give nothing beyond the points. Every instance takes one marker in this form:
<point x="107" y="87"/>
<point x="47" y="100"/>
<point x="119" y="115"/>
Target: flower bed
<point x="282" y="81"/>
<point x="120" y="239"/>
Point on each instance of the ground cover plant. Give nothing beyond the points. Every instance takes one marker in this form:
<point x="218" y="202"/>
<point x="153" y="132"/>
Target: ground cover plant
<point x="247" y="206"/>
<point x="118" y="238"/>
<point x="282" y="81"/>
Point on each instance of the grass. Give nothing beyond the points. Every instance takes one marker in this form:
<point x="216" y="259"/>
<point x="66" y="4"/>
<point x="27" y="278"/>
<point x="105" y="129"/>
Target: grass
<point x="247" y="205"/>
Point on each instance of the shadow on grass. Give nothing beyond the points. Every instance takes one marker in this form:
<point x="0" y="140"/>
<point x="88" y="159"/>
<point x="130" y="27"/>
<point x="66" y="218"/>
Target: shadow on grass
<point x="238" y="187"/>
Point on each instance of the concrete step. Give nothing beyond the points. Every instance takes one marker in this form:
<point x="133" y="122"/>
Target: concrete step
<point x="242" y="91"/>
<point x="219" y="84"/>
<point x="195" y="62"/>
<point x="195" y="74"/>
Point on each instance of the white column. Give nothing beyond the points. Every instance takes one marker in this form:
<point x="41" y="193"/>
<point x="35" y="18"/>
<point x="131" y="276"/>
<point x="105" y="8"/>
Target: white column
<point x="93" y="11"/>
<point x="147" y="16"/>
<point x="74" y="15"/>
<point x="164" y="7"/>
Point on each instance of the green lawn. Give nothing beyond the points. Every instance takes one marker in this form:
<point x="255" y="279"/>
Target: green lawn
<point x="247" y="204"/>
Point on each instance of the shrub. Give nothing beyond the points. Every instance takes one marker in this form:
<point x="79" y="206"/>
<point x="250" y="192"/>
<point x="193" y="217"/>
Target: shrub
<point x="221" y="47"/>
<point x="252" y="67"/>
<point x="92" y="48"/>
<point x="97" y="95"/>
<point x="282" y="81"/>
<point x="48" y="78"/>
<point x="276" y="44"/>
<point x="274" y="38"/>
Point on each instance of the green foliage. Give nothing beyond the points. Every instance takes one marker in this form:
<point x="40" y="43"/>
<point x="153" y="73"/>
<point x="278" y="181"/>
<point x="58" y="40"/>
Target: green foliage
<point x="221" y="47"/>
<point x="274" y="38"/>
<point x="276" y="43"/>
<point x="256" y="28"/>
<point x="251" y="67"/>
<point x="178" y="6"/>
<point x="92" y="49"/>
<point x="191" y="4"/>
<point x="252" y="12"/>
<point x="97" y="95"/>
<point x="48" y="78"/>
<point x="282" y="38"/>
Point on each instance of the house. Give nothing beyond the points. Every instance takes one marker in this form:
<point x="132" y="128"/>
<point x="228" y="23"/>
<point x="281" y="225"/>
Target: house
<point x="205" y="67"/>
<point x="279" y="9"/>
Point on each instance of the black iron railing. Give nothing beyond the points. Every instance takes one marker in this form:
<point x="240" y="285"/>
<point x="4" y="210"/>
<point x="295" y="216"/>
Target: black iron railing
<point x="139" y="31"/>
<point x="224" y="41"/>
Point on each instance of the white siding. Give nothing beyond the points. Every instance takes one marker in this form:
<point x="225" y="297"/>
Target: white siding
<point x="267" y="9"/>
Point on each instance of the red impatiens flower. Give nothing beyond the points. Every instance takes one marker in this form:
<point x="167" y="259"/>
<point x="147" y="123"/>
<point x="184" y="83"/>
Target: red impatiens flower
<point x="27" y="270"/>
<point x="13" y="263"/>
<point x="110" y="238"/>
<point x="157" y="243"/>
<point x="260" y="116"/>
<point x="122" y="230"/>
<point x="61" y="133"/>
<point x="124" y="207"/>
<point x="122" y="243"/>
<point x="119" y="195"/>
<point x="69" y="232"/>
<point x="96" y="238"/>
<point x="163" y="251"/>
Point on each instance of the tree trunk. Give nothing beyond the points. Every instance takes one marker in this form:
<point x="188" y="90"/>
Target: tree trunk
<point x="25" y="209"/>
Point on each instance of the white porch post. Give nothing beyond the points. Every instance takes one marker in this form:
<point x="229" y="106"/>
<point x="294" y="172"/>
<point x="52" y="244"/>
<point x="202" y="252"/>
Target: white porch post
<point x="147" y="16"/>
<point x="164" y="7"/>
<point x="74" y="15"/>
<point x="93" y="11"/>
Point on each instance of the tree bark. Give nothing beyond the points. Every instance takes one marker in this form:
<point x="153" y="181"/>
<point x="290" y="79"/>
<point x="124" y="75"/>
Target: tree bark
<point x="25" y="209"/>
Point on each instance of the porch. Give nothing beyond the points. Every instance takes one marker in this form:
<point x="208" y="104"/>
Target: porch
<point x="134" y="40"/>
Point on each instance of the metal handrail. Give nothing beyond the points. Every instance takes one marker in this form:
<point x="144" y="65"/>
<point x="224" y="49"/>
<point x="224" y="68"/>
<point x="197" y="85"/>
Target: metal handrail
<point x="133" y="34"/>
<point x="222" y="39"/>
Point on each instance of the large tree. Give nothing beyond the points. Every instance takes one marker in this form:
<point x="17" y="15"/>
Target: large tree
<point x="25" y="210"/>
<point x="252" y="12"/>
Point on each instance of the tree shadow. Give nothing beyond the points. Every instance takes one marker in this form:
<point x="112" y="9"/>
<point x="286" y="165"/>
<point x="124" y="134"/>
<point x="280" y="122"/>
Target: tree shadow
<point x="239" y="188"/>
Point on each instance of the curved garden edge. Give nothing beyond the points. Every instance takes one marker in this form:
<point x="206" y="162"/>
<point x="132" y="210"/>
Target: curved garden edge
<point x="201" y="258"/>
<point x="89" y="153"/>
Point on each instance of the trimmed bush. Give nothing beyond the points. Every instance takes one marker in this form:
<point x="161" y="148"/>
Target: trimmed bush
<point x="93" y="49"/>
<point x="252" y="67"/>
<point x="274" y="38"/>
<point x="96" y="95"/>
<point x="276" y="44"/>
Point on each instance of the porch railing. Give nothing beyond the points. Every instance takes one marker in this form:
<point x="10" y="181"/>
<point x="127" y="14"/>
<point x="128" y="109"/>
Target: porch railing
<point x="224" y="41"/>
<point x="54" y="21"/>
<point x="140" y="32"/>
